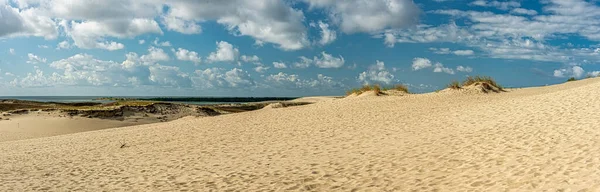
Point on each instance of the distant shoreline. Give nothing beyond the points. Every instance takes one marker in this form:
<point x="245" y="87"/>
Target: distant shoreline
<point x="200" y="99"/>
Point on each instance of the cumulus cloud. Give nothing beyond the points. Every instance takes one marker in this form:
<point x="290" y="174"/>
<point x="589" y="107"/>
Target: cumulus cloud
<point x="63" y="45"/>
<point x="92" y="34"/>
<point x="260" y="68"/>
<point x="187" y="55"/>
<point x="421" y="63"/>
<point x="368" y="16"/>
<point x="279" y="65"/>
<point x="11" y="51"/>
<point x="182" y="26"/>
<point x="424" y="63"/>
<point x="376" y="73"/>
<point x="594" y="73"/>
<point x="225" y="53"/>
<point x="328" y="61"/>
<point x="304" y="62"/>
<point x="573" y="71"/>
<point x="141" y="41"/>
<point x="250" y="59"/>
<point x="438" y="68"/>
<point x="155" y="55"/>
<point x="293" y="81"/>
<point x="464" y="69"/>
<point x="26" y="22"/>
<point x="157" y="42"/>
<point x="463" y="52"/>
<point x="34" y="59"/>
<point x="220" y="78"/>
<point x="267" y="21"/>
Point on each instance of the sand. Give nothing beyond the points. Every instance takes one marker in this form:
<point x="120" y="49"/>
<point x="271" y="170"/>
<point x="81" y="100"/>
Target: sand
<point x="45" y="124"/>
<point x="532" y="139"/>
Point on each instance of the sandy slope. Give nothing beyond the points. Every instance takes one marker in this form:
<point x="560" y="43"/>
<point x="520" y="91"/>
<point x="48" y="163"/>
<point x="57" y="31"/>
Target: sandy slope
<point x="45" y="124"/>
<point x="524" y="140"/>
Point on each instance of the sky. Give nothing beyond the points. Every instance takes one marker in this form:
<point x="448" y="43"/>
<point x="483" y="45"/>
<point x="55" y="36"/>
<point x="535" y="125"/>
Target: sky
<point x="288" y="47"/>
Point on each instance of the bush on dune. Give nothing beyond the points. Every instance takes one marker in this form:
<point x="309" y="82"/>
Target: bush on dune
<point x="571" y="79"/>
<point x="481" y="79"/>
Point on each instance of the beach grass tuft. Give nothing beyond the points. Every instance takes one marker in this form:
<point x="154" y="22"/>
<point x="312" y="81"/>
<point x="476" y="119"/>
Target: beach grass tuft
<point x="454" y="85"/>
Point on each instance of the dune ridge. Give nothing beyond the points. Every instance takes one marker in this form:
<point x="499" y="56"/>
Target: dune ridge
<point x="527" y="139"/>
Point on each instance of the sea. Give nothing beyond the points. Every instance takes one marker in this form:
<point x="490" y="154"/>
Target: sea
<point x="80" y="99"/>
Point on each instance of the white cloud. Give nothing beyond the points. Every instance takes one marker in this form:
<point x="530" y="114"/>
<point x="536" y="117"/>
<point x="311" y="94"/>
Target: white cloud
<point x="219" y="78"/>
<point x="264" y="20"/>
<point x="155" y="54"/>
<point x="424" y="63"/>
<point x="293" y="81"/>
<point x="421" y="63"/>
<point x="328" y="61"/>
<point x="34" y="59"/>
<point x="92" y="23"/>
<point x="36" y="79"/>
<point x="279" y="65"/>
<point x="141" y="41"/>
<point x="225" y="53"/>
<point x="523" y="11"/>
<point x="497" y="4"/>
<point x="169" y="76"/>
<point x="43" y="46"/>
<point x="594" y="73"/>
<point x="463" y="52"/>
<point x="248" y="59"/>
<point x="327" y="35"/>
<point x="161" y="44"/>
<point x="63" y="45"/>
<point x="187" y="55"/>
<point x="390" y="40"/>
<point x="11" y="51"/>
<point x="92" y="34"/>
<point x="182" y="26"/>
<point x="376" y="74"/>
<point x="303" y="63"/>
<point x="573" y="71"/>
<point x="369" y="16"/>
<point x="464" y="69"/>
<point x="260" y="68"/>
<point x="438" y="68"/>
<point x="26" y="22"/>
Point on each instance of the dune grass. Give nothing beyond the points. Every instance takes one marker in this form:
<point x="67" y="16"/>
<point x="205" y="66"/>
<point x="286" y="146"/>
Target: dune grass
<point x="481" y="79"/>
<point x="488" y="81"/>
<point x="401" y="88"/>
<point x="571" y="79"/>
<point x="377" y="89"/>
<point x="454" y="85"/>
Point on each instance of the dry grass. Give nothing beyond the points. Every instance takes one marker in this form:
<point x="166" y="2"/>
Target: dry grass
<point x="454" y="85"/>
<point x="481" y="79"/>
<point x="375" y="88"/>
<point x="401" y="88"/>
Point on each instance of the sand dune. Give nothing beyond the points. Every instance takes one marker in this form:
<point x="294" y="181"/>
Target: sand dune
<point x="522" y="140"/>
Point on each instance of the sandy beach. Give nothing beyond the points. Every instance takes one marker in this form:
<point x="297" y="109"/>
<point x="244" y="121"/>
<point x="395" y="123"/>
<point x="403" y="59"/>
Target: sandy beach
<point x="530" y="139"/>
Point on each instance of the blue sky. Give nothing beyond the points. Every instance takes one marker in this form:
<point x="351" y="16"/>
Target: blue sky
<point x="288" y="47"/>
